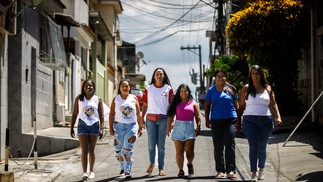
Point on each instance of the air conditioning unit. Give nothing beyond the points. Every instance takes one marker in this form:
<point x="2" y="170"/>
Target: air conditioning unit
<point x="60" y="112"/>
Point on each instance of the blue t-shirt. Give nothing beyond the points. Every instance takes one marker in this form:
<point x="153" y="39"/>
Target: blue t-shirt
<point x="222" y="104"/>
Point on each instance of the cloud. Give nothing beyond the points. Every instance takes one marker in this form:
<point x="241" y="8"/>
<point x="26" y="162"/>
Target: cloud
<point x="145" y="18"/>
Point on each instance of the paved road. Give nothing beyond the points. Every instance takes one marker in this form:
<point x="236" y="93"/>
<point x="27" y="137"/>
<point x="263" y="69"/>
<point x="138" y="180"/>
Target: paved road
<point x="300" y="160"/>
<point x="106" y="167"/>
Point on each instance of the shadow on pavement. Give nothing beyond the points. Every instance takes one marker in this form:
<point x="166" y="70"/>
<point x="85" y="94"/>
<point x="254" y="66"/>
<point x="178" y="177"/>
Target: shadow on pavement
<point x="117" y="178"/>
<point x="188" y="178"/>
<point x="311" y="177"/>
<point x="304" y="137"/>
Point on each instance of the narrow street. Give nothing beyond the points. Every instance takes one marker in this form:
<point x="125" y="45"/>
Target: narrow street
<point x="107" y="168"/>
<point x="300" y="160"/>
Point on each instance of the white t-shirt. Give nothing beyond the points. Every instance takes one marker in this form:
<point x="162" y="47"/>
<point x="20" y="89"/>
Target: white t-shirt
<point x="158" y="99"/>
<point x="125" y="110"/>
<point x="88" y="110"/>
<point x="258" y="105"/>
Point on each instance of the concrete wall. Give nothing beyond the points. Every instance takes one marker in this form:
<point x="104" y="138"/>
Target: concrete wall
<point x="319" y="72"/>
<point x="23" y="70"/>
<point x="4" y="91"/>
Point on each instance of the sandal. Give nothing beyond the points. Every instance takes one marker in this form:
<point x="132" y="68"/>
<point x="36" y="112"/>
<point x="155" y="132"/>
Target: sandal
<point x="162" y="173"/>
<point x="181" y="174"/>
<point x="150" y="168"/>
<point x="231" y="175"/>
<point x="190" y="169"/>
<point x="220" y="175"/>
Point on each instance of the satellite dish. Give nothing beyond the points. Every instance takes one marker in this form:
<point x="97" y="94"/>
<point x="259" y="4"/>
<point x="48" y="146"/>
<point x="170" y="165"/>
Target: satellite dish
<point x="32" y="3"/>
<point x="140" y="55"/>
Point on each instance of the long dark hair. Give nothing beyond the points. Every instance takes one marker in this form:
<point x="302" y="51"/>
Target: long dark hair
<point x="82" y="95"/>
<point x="122" y="80"/>
<point x="165" y="80"/>
<point x="228" y="88"/>
<point x="177" y="99"/>
<point x="263" y="82"/>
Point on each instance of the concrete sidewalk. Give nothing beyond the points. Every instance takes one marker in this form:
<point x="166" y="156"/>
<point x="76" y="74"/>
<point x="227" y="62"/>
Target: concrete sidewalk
<point x="300" y="160"/>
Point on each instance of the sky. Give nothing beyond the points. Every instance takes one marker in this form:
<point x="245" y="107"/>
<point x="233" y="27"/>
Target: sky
<point x="159" y="28"/>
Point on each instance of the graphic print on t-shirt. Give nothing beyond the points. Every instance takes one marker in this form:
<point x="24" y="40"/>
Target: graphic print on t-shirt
<point x="88" y="111"/>
<point x="126" y="111"/>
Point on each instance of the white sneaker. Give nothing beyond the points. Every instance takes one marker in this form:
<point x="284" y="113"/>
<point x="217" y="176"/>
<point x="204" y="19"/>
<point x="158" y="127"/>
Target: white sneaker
<point x="85" y="176"/>
<point x="91" y="175"/>
<point x="254" y="177"/>
<point x="261" y="175"/>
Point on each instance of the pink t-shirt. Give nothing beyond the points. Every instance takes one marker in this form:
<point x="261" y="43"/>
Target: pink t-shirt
<point x="185" y="111"/>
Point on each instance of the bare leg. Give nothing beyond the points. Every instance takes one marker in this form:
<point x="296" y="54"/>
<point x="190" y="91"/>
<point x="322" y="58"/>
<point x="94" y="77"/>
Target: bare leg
<point x="179" y="147"/>
<point x="92" y="141"/>
<point x="83" y="140"/>
<point x="189" y="149"/>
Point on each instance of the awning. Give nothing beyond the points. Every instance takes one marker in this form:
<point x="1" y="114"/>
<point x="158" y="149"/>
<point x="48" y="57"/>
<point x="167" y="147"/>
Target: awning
<point x="65" y="20"/>
<point x="98" y="23"/>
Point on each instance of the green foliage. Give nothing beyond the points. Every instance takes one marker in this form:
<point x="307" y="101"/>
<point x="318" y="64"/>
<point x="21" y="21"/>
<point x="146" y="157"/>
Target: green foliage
<point x="236" y="69"/>
<point x="271" y="32"/>
<point x="254" y="31"/>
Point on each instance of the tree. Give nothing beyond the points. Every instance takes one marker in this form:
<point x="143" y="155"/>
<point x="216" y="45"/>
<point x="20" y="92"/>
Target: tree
<point x="271" y="34"/>
<point x="236" y="69"/>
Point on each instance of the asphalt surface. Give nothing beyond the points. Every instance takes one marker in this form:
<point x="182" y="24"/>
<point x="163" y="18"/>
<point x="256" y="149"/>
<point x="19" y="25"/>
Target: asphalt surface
<point x="300" y="160"/>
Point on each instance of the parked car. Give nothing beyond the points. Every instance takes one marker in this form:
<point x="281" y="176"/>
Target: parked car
<point x="138" y="93"/>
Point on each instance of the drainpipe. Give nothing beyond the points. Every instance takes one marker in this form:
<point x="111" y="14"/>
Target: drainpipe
<point x="312" y="59"/>
<point x="115" y="66"/>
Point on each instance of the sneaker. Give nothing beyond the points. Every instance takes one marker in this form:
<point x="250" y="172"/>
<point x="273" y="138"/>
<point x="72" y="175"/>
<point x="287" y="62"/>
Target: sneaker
<point x="85" y="176"/>
<point x="190" y="169"/>
<point x="181" y="174"/>
<point x="128" y="175"/>
<point x="91" y="175"/>
<point x="254" y="177"/>
<point x="122" y="172"/>
<point x="261" y="175"/>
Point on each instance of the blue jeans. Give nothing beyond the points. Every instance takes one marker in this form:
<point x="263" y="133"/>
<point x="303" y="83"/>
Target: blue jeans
<point x="123" y="132"/>
<point x="156" y="131"/>
<point x="223" y="133"/>
<point x="257" y="130"/>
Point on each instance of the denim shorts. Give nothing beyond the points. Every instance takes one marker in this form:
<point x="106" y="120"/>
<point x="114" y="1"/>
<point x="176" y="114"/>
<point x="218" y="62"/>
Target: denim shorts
<point x="183" y="130"/>
<point x="84" y="129"/>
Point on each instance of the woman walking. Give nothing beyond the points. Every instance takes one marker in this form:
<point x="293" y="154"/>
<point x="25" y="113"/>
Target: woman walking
<point x="157" y="97"/>
<point x="255" y="100"/>
<point x="184" y="107"/>
<point x="124" y="121"/>
<point x="223" y="101"/>
<point x="89" y="109"/>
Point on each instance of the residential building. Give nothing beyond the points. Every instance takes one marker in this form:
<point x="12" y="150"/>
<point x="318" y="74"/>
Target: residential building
<point x="7" y="27"/>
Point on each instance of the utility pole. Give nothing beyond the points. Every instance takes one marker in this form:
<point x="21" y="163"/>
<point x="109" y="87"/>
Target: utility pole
<point x="200" y="62"/>
<point x="220" y="28"/>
